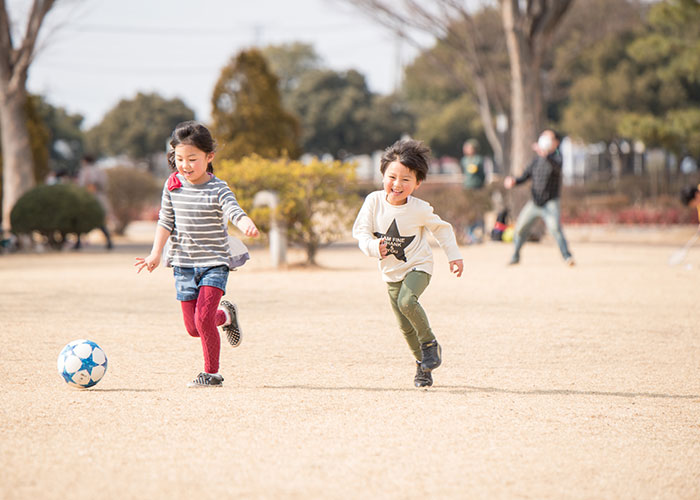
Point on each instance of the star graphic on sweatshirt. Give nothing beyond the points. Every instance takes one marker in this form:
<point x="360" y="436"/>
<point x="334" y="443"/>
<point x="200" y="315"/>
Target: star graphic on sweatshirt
<point x="395" y="243"/>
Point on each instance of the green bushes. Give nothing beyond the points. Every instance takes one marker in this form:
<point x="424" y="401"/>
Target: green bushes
<point x="56" y="211"/>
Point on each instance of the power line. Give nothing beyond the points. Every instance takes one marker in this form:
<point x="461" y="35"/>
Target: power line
<point x="108" y="29"/>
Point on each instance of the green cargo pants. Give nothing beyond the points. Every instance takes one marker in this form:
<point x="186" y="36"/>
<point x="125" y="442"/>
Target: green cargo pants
<point x="412" y="319"/>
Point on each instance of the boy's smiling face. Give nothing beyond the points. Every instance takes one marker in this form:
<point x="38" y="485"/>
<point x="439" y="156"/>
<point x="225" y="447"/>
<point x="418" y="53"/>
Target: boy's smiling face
<point x="399" y="183"/>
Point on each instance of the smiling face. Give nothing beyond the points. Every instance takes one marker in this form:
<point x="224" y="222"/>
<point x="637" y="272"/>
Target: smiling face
<point x="191" y="163"/>
<point x="399" y="183"/>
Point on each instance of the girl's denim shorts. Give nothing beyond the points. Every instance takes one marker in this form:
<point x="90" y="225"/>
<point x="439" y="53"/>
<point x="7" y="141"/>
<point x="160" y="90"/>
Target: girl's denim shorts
<point x="189" y="279"/>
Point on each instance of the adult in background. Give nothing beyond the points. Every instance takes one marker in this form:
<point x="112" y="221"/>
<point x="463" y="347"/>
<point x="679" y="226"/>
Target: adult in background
<point x="545" y="173"/>
<point x="94" y="179"/>
<point x="472" y="165"/>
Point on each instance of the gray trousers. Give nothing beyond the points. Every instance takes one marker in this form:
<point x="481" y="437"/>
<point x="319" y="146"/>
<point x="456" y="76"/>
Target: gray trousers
<point x="550" y="212"/>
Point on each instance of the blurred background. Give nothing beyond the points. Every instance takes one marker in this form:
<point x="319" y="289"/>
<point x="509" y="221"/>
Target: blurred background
<point x="306" y="94"/>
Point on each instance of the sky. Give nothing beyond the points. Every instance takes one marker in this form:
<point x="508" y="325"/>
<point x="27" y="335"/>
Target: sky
<point x="93" y="53"/>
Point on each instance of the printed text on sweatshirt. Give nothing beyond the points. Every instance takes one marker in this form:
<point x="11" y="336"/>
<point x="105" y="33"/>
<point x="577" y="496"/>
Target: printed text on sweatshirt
<point x="404" y="229"/>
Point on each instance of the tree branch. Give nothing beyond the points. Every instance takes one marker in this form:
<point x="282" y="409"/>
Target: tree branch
<point x="24" y="55"/>
<point x="6" y="49"/>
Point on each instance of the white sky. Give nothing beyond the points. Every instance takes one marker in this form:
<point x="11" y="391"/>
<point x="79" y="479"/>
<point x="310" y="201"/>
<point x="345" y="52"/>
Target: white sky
<point x="96" y="52"/>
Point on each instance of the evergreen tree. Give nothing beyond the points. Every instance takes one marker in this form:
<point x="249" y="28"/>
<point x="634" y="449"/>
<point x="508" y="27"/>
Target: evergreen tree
<point x="248" y="117"/>
<point x="643" y="84"/>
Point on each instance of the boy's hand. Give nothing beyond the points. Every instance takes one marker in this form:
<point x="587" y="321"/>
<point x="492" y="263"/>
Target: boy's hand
<point x="456" y="267"/>
<point x="248" y="227"/>
<point x="382" y="248"/>
<point x="150" y="263"/>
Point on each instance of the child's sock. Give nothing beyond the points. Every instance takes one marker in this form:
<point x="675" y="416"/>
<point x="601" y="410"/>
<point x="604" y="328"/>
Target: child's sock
<point x="223" y="317"/>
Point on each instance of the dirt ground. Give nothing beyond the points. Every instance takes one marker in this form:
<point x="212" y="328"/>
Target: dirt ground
<point x="557" y="382"/>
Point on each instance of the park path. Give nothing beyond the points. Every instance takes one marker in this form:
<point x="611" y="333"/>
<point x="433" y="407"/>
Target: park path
<point x="557" y="382"/>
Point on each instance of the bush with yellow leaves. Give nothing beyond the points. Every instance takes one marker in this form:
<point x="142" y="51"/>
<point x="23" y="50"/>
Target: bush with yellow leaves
<point x="318" y="199"/>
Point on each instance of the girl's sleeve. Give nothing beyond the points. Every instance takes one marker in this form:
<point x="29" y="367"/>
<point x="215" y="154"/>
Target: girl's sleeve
<point x="229" y="204"/>
<point x="443" y="233"/>
<point x="363" y="230"/>
<point x="166" y="215"/>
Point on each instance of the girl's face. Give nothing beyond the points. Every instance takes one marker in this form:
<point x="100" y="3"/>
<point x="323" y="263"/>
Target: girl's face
<point x="191" y="163"/>
<point x="399" y="183"/>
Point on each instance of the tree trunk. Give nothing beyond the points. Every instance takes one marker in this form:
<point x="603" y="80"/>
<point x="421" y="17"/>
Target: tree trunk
<point x="311" y="250"/>
<point x="18" y="174"/>
<point x="526" y="92"/>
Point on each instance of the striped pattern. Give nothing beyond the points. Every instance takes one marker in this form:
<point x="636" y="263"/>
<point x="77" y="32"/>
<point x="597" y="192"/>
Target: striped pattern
<point x="197" y="217"/>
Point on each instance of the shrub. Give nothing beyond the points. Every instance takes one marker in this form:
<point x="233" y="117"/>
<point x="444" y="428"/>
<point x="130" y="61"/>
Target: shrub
<point x="129" y="191"/>
<point x="56" y="211"/>
<point x="318" y="201"/>
<point x="456" y="205"/>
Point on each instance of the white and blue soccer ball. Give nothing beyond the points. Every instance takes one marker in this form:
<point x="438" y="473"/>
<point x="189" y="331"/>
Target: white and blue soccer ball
<point x="82" y="363"/>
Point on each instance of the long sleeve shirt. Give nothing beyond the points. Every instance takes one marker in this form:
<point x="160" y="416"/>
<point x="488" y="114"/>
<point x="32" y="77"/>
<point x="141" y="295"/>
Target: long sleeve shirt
<point x="545" y="173"/>
<point x="405" y="230"/>
<point x="197" y="217"/>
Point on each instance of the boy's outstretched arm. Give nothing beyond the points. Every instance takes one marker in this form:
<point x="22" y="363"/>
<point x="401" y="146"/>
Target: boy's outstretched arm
<point x="152" y="261"/>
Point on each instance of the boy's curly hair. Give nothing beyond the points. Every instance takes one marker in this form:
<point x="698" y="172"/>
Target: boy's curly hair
<point x="410" y="153"/>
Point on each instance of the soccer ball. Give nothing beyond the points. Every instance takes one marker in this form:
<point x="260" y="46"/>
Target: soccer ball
<point x="82" y="363"/>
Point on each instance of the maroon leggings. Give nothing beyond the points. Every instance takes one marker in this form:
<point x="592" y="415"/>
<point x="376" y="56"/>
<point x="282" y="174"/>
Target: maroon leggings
<point x="202" y="316"/>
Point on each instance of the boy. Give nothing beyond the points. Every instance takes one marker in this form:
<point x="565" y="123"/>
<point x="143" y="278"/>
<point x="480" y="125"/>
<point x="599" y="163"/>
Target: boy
<point x="390" y="227"/>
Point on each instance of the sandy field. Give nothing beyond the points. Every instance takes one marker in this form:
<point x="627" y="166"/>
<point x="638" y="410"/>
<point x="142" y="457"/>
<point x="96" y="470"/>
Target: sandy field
<point x="557" y="382"/>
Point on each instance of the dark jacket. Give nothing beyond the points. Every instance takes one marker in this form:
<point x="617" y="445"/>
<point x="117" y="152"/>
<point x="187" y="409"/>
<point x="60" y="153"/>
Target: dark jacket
<point x="546" y="177"/>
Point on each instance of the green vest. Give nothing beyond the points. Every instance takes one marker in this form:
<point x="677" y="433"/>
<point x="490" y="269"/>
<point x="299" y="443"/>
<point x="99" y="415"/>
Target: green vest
<point x="473" y="169"/>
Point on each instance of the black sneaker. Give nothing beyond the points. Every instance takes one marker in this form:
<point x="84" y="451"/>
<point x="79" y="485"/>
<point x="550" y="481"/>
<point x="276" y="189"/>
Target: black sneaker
<point x="422" y="378"/>
<point x="232" y="330"/>
<point x="207" y="380"/>
<point x="432" y="355"/>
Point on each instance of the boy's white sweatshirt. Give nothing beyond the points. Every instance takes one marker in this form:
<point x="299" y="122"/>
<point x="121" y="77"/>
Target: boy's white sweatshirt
<point x="403" y="227"/>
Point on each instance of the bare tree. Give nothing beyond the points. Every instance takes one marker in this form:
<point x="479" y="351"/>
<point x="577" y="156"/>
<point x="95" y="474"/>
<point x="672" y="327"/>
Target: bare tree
<point x="15" y="60"/>
<point x="528" y="27"/>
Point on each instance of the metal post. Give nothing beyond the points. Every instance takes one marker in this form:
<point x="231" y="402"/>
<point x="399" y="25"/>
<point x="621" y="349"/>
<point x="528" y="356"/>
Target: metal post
<point x="278" y="230"/>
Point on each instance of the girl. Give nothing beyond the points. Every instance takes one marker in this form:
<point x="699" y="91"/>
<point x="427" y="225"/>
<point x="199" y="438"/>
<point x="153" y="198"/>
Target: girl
<point x="195" y="210"/>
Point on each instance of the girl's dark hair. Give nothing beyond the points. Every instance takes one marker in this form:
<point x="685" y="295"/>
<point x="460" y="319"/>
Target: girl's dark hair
<point x="194" y="134"/>
<point x="410" y="153"/>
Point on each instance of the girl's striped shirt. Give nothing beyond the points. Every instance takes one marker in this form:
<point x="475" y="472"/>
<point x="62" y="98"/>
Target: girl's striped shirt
<point x="197" y="217"/>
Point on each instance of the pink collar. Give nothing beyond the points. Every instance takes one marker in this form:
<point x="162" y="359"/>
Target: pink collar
<point x="174" y="182"/>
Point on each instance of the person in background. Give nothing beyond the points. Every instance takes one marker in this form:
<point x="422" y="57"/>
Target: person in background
<point x="472" y="165"/>
<point x="545" y="173"/>
<point x="94" y="179"/>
